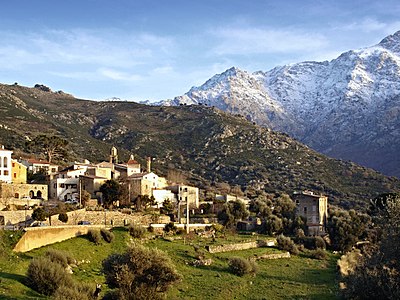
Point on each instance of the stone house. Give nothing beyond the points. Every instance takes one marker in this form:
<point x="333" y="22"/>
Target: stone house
<point x="185" y="193"/>
<point x="19" y="172"/>
<point x="39" y="166"/>
<point x="314" y="208"/>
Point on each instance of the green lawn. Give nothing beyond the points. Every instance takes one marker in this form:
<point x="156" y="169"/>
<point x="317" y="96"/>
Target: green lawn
<point x="299" y="277"/>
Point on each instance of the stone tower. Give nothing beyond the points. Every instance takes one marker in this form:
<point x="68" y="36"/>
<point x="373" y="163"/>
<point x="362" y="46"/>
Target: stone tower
<point x="114" y="155"/>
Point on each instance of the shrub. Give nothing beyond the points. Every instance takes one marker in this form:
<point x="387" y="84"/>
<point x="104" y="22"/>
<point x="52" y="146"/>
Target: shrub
<point x="61" y="257"/>
<point x="240" y="266"/>
<point x="94" y="236"/>
<point x="218" y="228"/>
<point x="39" y="214"/>
<point x="285" y="243"/>
<point x="170" y="228"/>
<point x="139" y="273"/>
<point x="318" y="253"/>
<point x="107" y="235"/>
<point x="63" y="217"/>
<point x="46" y="277"/>
<point x="74" y="292"/>
<point x="137" y="231"/>
<point x="320" y="243"/>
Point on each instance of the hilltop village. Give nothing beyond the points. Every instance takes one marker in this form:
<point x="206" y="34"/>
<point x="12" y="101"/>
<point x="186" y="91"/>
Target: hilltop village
<point x="82" y="185"/>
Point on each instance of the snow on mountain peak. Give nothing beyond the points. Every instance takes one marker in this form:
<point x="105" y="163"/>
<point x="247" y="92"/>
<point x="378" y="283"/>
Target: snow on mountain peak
<point x="392" y="42"/>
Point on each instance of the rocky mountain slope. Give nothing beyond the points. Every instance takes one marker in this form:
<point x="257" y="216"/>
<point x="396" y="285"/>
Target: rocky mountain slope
<point x="347" y="108"/>
<point x="209" y="146"/>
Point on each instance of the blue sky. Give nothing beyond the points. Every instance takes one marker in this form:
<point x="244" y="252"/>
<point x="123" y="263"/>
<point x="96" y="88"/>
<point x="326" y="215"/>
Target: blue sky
<point x="159" y="49"/>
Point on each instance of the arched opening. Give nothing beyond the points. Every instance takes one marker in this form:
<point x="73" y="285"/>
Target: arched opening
<point x="16" y="195"/>
<point x="39" y="194"/>
<point x="31" y="194"/>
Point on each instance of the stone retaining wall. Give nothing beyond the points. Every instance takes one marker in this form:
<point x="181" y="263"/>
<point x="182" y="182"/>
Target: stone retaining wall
<point x="114" y="218"/>
<point x="272" y="256"/>
<point x="241" y="246"/>
<point x="42" y="236"/>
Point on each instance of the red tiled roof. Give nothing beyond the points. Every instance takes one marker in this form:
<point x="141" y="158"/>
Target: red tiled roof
<point x="38" y="161"/>
<point x="132" y="162"/>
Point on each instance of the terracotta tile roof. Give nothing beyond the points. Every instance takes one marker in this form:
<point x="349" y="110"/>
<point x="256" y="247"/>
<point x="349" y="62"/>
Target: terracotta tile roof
<point x="37" y="161"/>
<point x="132" y="162"/>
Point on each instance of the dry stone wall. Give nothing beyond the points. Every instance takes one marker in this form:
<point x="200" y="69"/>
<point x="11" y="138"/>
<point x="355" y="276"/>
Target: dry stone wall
<point x="114" y="218"/>
<point x="241" y="246"/>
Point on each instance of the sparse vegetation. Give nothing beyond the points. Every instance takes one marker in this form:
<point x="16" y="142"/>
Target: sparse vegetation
<point x="107" y="235"/>
<point x="95" y="236"/>
<point x="286" y="243"/>
<point x="137" y="231"/>
<point x="140" y="273"/>
<point x="240" y="266"/>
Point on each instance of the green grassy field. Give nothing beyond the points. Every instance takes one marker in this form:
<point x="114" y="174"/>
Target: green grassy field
<point x="299" y="277"/>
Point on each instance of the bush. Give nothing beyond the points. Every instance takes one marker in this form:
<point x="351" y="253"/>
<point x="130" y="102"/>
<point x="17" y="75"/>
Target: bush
<point x="39" y="214"/>
<point x="170" y="228"/>
<point x="320" y="243"/>
<point x="285" y="243"/>
<point x="94" y="236"/>
<point x="63" y="217"/>
<point x="240" y="266"/>
<point x="318" y="253"/>
<point x="74" y="292"/>
<point x="137" y="231"/>
<point x="139" y="273"/>
<point x="107" y="235"/>
<point x="45" y="276"/>
<point x="61" y="257"/>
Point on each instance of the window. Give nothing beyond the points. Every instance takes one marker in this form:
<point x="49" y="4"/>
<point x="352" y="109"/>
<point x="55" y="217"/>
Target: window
<point x="5" y="172"/>
<point x="185" y="189"/>
<point x="305" y="210"/>
<point x="62" y="185"/>
<point x="15" y="175"/>
<point x="5" y="162"/>
<point x="314" y="208"/>
<point x="13" y="164"/>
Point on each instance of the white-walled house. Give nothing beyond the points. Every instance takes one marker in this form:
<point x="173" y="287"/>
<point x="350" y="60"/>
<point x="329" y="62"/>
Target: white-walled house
<point x="160" y="195"/>
<point x="65" y="184"/>
<point x="5" y="165"/>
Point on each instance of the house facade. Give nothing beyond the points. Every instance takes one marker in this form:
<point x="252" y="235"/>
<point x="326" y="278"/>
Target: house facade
<point x="18" y="171"/>
<point x="314" y="208"/>
<point x="5" y="165"/>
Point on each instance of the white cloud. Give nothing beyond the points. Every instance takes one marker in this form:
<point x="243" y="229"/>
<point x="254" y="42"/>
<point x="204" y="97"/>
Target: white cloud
<point x="119" y="76"/>
<point x="239" y="41"/>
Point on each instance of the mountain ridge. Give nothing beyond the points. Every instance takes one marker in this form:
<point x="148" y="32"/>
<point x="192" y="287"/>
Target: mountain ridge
<point x="346" y="108"/>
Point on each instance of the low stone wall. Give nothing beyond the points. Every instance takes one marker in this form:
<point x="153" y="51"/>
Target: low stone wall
<point x="13" y="217"/>
<point x="272" y="256"/>
<point x="241" y="246"/>
<point x="42" y="236"/>
<point x="114" y="218"/>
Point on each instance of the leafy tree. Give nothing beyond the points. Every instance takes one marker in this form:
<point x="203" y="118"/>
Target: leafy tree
<point x="63" y="217"/>
<point x="140" y="273"/>
<point x="346" y="228"/>
<point x="143" y="202"/>
<point x="231" y="212"/>
<point x="53" y="147"/>
<point x="377" y="275"/>
<point x="167" y="207"/>
<point x="39" y="214"/>
<point x="111" y="192"/>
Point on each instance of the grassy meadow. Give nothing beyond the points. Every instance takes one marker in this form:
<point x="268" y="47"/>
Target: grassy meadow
<point x="299" y="277"/>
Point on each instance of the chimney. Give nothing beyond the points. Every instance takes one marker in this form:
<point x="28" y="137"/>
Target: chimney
<point x="148" y="164"/>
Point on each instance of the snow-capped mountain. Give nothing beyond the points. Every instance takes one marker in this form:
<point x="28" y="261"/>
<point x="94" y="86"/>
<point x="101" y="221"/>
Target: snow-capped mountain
<point x="347" y="108"/>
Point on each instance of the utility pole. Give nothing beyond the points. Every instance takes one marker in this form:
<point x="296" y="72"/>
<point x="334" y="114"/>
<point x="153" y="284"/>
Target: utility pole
<point x="187" y="215"/>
